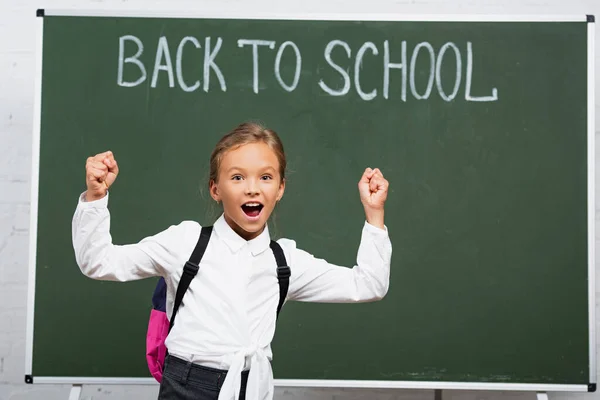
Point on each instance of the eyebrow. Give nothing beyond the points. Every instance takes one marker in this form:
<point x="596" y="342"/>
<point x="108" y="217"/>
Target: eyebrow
<point x="268" y="168"/>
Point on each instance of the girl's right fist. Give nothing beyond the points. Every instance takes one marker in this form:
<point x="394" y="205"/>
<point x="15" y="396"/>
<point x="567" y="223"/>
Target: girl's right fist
<point x="101" y="171"/>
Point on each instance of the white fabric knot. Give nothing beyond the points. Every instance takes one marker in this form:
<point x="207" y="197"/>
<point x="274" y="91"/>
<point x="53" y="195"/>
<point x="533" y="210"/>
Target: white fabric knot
<point x="260" y="379"/>
<point x="251" y="350"/>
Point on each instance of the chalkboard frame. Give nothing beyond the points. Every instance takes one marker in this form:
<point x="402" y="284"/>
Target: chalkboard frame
<point x="343" y="17"/>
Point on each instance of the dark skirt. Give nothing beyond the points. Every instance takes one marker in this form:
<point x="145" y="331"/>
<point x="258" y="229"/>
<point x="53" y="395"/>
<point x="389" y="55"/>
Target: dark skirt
<point x="183" y="380"/>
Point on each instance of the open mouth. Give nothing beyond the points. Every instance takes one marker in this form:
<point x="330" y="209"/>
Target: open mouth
<point x="252" y="209"/>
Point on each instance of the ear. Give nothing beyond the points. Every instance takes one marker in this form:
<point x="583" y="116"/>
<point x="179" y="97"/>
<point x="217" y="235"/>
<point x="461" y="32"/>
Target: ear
<point x="281" y="190"/>
<point x="214" y="191"/>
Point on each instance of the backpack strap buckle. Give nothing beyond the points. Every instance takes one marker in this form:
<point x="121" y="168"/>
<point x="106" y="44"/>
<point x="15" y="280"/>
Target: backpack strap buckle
<point x="284" y="272"/>
<point x="190" y="268"/>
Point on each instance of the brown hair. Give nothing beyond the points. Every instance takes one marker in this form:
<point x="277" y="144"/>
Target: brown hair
<point x="246" y="133"/>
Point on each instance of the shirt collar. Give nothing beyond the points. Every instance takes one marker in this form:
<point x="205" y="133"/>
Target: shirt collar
<point x="235" y="242"/>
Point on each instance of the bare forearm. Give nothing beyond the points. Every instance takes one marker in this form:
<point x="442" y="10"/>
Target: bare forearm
<point x="375" y="217"/>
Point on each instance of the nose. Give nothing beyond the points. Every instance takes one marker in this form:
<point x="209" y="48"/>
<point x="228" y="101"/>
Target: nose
<point x="251" y="187"/>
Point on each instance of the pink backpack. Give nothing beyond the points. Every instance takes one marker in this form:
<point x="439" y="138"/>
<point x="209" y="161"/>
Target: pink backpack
<point x="158" y="329"/>
<point x="159" y="325"/>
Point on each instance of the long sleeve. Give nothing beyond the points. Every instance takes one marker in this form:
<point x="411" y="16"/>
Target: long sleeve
<point x="316" y="280"/>
<point x="99" y="258"/>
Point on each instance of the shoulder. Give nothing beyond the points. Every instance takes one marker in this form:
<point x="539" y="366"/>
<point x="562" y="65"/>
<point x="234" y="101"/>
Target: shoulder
<point x="175" y="243"/>
<point x="294" y="256"/>
<point x="185" y="227"/>
<point x="287" y="244"/>
<point x="289" y="247"/>
<point x="179" y="232"/>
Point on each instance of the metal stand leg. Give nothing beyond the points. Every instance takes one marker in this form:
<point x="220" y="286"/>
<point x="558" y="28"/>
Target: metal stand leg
<point x="438" y="394"/>
<point x="542" y="396"/>
<point x="75" y="392"/>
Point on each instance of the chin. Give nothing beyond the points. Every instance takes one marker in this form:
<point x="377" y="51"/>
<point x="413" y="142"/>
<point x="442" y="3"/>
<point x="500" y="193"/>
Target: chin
<point x="249" y="227"/>
<point x="249" y="230"/>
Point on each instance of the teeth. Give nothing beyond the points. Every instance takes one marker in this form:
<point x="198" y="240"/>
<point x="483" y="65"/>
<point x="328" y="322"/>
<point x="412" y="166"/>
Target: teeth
<point x="252" y="204"/>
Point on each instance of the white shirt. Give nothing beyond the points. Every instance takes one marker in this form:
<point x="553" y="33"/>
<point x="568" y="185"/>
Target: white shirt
<point x="227" y="318"/>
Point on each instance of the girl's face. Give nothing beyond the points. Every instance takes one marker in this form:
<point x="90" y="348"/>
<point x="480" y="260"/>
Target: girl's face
<point x="249" y="185"/>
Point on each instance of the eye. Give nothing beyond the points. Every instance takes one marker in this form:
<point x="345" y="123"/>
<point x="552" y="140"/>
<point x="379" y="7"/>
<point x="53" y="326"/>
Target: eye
<point x="266" y="177"/>
<point x="236" y="178"/>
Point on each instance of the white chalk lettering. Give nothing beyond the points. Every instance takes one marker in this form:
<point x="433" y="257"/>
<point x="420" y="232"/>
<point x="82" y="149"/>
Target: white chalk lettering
<point x="438" y="74"/>
<point x="413" y="62"/>
<point x="255" y="43"/>
<point x="468" y="97"/>
<point x="387" y="65"/>
<point x="420" y="67"/>
<point x="209" y="63"/>
<point x="339" y="69"/>
<point x="162" y="51"/>
<point x="358" y="65"/>
<point x="133" y="60"/>
<point x="294" y="84"/>
<point x="178" y="67"/>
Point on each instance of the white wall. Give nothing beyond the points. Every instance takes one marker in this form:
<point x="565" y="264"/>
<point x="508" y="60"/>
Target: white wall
<point x="17" y="55"/>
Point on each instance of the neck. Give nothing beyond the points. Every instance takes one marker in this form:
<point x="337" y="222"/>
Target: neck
<point x="241" y="232"/>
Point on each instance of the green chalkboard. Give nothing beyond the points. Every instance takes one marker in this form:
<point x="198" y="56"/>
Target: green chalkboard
<point x="480" y="127"/>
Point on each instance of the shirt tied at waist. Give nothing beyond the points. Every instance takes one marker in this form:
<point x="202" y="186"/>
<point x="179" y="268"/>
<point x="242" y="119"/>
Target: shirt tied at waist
<point x="260" y="378"/>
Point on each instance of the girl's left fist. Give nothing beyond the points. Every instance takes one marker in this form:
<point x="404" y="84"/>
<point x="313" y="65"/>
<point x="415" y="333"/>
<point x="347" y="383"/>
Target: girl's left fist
<point x="373" y="189"/>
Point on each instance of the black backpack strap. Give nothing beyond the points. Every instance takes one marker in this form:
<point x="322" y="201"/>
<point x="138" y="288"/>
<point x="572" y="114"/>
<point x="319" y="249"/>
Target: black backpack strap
<point x="190" y="270"/>
<point x="283" y="273"/>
